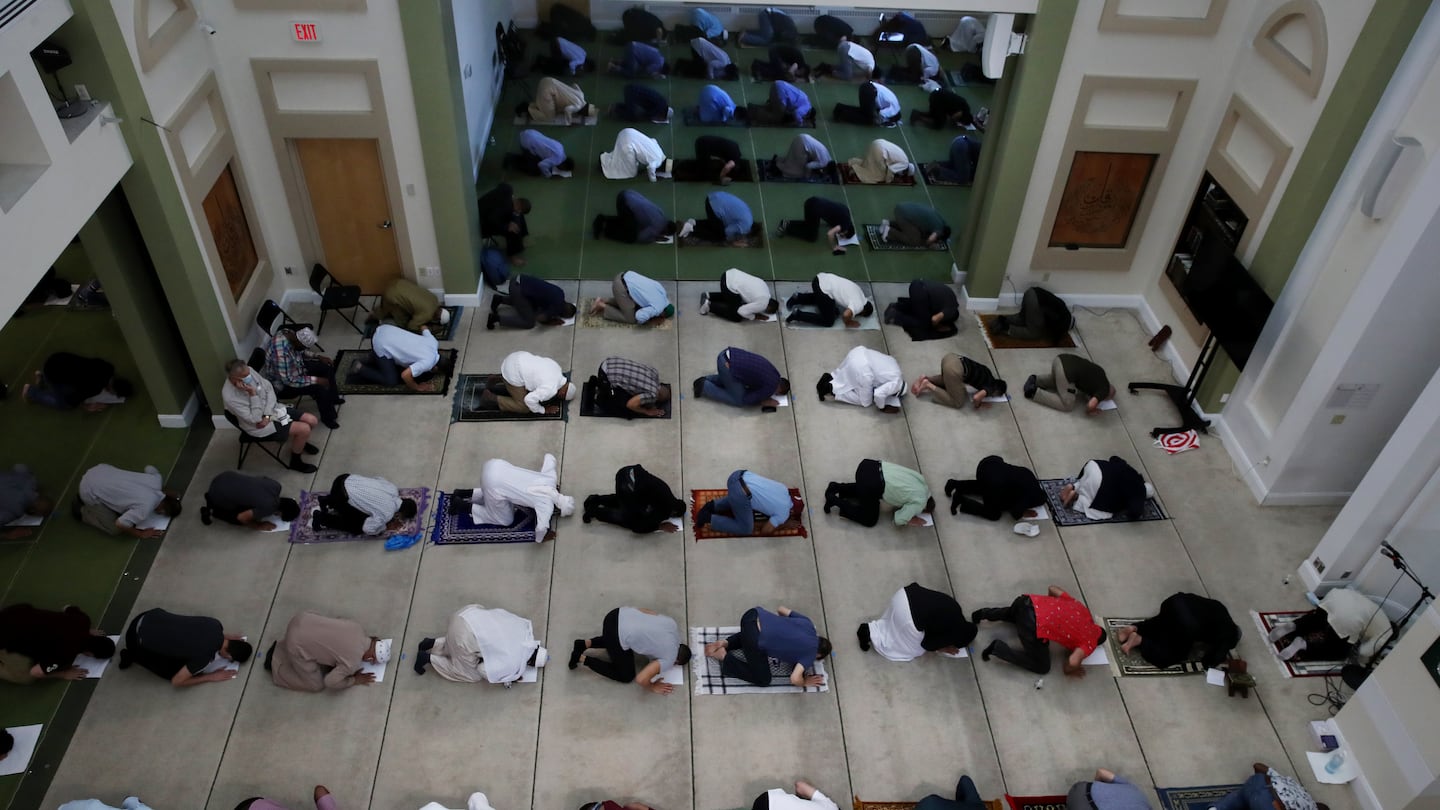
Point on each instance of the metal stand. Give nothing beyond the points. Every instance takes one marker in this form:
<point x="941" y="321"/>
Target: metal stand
<point x="1354" y="674"/>
<point x="1184" y="396"/>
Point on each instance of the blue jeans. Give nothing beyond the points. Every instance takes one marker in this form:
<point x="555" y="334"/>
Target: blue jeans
<point x="733" y="513"/>
<point x="58" y="397"/>
<point x="722" y="385"/>
<point x="1255" y="794"/>
<point x="762" y="35"/>
<point x="966" y="798"/>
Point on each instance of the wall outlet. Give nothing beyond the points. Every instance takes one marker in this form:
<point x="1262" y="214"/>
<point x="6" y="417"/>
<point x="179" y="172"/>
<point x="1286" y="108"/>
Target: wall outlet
<point x="1225" y="397"/>
<point x="1337" y="419"/>
<point x="289" y="271"/>
<point x="409" y="189"/>
<point x="430" y="271"/>
<point x="1319" y="565"/>
<point x="83" y="92"/>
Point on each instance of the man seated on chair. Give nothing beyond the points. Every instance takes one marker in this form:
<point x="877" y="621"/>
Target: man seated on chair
<point x="117" y="501"/>
<point x="636" y="299"/>
<point x="320" y="652"/>
<point x="629" y="388"/>
<point x="786" y="106"/>
<point x="864" y="378"/>
<point x="900" y="487"/>
<point x="554" y="101"/>
<point x="785" y="635"/>
<point x="20" y="497"/>
<point x="741" y="296"/>
<point x="409" y="306"/>
<point x="637" y="221"/>
<point x="639" y="61"/>
<point x="997" y="488"/>
<point x="504" y="486"/>
<point x="832" y="297"/>
<point x="916" y="621"/>
<point x="1071" y="378"/>
<point x="297" y="372"/>
<point x="533" y="385"/>
<point x="180" y="648"/>
<point x="70" y="381"/>
<point x="914" y="225"/>
<point x="502" y="216"/>
<point x="1040" y="619"/>
<point x="482" y="645"/>
<point x="805" y="159"/>
<point x="1186" y="621"/>
<point x="359" y="505"/>
<point x="625" y="632"/>
<point x="930" y="310"/>
<point x="540" y="156"/>
<point x="530" y="300"/>
<point x="642" y="503"/>
<point x="1106" y="487"/>
<point x="746" y="494"/>
<point x="878" y="106"/>
<point x="640" y="103"/>
<point x="728" y="220"/>
<point x="252" y="501"/>
<point x="633" y="151"/>
<point x="41" y="644"/>
<point x="743" y="379"/>
<point x="250" y="398"/>
<point x="820" y="210"/>
<point x="958" y="374"/>
<point x="399" y="357"/>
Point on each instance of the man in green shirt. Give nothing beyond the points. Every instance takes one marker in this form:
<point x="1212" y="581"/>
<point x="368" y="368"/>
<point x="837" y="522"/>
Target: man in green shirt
<point x="409" y="305"/>
<point x="915" y="225"/>
<point x="1071" y="377"/>
<point x="876" y="481"/>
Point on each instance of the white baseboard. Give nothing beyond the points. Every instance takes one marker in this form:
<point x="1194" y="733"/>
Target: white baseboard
<point x="1306" y="499"/>
<point x="221" y="423"/>
<point x="299" y="295"/>
<point x="1364" y="792"/>
<point x="182" y="419"/>
<point x="462" y="300"/>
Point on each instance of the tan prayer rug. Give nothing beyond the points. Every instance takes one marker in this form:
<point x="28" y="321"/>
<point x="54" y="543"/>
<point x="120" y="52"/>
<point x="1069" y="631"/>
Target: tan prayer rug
<point x="997" y="340"/>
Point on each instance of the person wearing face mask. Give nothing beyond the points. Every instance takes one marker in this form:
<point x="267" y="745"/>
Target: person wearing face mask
<point x="319" y="653"/>
<point x="250" y="398"/>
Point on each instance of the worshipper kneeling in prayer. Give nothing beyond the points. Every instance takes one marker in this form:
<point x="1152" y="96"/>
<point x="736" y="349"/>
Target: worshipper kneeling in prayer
<point x="710" y="62"/>
<point x="727" y="220"/>
<point x="1040" y="619"/>
<point x="609" y="804"/>
<point x="785" y="62"/>
<point x="117" y="501"/>
<point x="914" y="225"/>
<point x="705" y="24"/>
<point x="360" y="505"/>
<point x="640" y="103"/>
<point x="968" y="36"/>
<point x="633" y="151"/>
<point x="822" y="210"/>
<point x="1268" y="789"/>
<point x="785" y="635"/>
<point x="130" y="803"/>
<point x="179" y="648"/>
<point x="624" y="632"/>
<point x="930" y="310"/>
<point x="408" y="305"/>
<point x="502" y="216"/>
<point x="997" y="488"/>
<point x="629" y="388"/>
<point x="1185" y="621"/>
<point x="832" y="297"/>
<point x="540" y="156"/>
<point x="957" y="375"/>
<point x="295" y="371"/>
<point x="946" y="109"/>
<point x="1347" y="621"/>
<point x="715" y="106"/>
<point x="921" y="64"/>
<point x="902" y="29"/>
<point x="528" y="302"/>
<point x="319" y="652"/>
<point x="1043" y="315"/>
<point x="1071" y="378"/>
<point x="852" y="61"/>
<point x="805" y="797"/>
<point x="787" y="106"/>
<point x="637" y="299"/>
<point x="565" y="59"/>
<point x="805" y="158"/>
<point x="741" y="296"/>
<point x="639" y="61"/>
<point x="642" y="503"/>
<point x="917" y="620"/>
<point x="399" y="357"/>
<point x="865" y="377"/>
<point x="876" y="481"/>
<point x="252" y="501"/>
<point x="830" y="30"/>
<point x="879" y="106"/>
<point x="966" y="798"/>
<point x="742" y="379"/>
<point x="504" y="487"/>
<point x="533" y="384"/>
<point x="1106" y="488"/>
<point x="774" y="26"/>
<point x="640" y="25"/>
<point x="324" y="800"/>
<point x="883" y="162"/>
<point x="719" y="154"/>
<point x="20" y="497"/>
<point x="70" y="381"/>
<point x="482" y="645"/>
<point x="959" y="168"/>
<point x="251" y="399"/>
<point x="554" y="100"/>
<point x="38" y="644"/>
<point x="637" y="221"/>
<point x="746" y="494"/>
<point x="1106" y="792"/>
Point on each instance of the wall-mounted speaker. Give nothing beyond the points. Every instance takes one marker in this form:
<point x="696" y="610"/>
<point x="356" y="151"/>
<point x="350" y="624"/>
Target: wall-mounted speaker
<point x="1390" y="174"/>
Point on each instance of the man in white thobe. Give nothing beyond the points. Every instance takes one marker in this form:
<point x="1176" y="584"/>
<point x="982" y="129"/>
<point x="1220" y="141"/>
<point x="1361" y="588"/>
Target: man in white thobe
<point x="554" y="100"/>
<point x="482" y="645"/>
<point x="968" y="36"/>
<point x="477" y="801"/>
<point x="503" y="486"/>
<point x="805" y="797"/>
<point x="533" y="384"/>
<point x="633" y="151"/>
<point x="866" y="377"/>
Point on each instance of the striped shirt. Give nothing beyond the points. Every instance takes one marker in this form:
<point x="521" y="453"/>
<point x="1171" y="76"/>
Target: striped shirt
<point x="632" y="378"/>
<point x="377" y="498"/>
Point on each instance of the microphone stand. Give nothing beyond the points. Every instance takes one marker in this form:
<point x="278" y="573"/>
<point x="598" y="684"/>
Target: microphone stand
<point x="1354" y="674"/>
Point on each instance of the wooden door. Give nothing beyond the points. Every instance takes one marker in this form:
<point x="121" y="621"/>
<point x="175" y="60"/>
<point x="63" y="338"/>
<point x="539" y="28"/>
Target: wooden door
<point x="351" y="211"/>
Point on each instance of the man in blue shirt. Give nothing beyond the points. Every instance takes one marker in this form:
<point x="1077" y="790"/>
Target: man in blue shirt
<point x="717" y="157"/>
<point x="786" y="636"/>
<point x="727" y="220"/>
<point x="642" y="103"/>
<point x="540" y="155"/>
<point x="565" y="59"/>
<point x="710" y="62"/>
<point x="716" y="106"/>
<point x="529" y="301"/>
<point x="637" y="300"/>
<point x="709" y="25"/>
<point x="637" y="220"/>
<point x="788" y="106"/>
<point x="746" y="494"/>
<point x="774" y="26"/>
<point x="742" y="379"/>
<point x="640" y="61"/>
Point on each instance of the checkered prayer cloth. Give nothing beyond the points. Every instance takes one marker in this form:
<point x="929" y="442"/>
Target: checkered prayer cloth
<point x="633" y="378"/>
<point x="709" y="680"/>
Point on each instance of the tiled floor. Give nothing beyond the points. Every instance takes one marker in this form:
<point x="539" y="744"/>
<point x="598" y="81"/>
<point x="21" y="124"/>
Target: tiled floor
<point x="884" y="731"/>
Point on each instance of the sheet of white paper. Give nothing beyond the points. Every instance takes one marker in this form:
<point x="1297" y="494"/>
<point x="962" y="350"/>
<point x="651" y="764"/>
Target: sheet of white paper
<point x="1108" y="405"/>
<point x="570" y="321"/>
<point x="218" y="663"/>
<point x="280" y="525"/>
<point x="1097" y="658"/>
<point x="1346" y="773"/>
<point x="1041" y="513"/>
<point x="26" y="520"/>
<point x="964" y="653"/>
<point x="1214" y="677"/>
<point x="783" y="400"/>
<point x="532" y="674"/>
<point x="378" y="670"/>
<point x="969" y="389"/>
<point x="928" y="518"/>
<point x="94" y="667"/>
<point x="675" y="676"/>
<point x="676" y="522"/>
<point x="19" y="758"/>
<point x="161" y="522"/>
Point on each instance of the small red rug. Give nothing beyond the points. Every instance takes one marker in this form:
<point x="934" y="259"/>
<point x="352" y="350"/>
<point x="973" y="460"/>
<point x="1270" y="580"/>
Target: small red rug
<point x="700" y="497"/>
<point x="1035" y="802"/>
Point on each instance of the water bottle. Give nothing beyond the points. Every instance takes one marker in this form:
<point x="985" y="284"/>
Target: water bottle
<point x="1336" y="761"/>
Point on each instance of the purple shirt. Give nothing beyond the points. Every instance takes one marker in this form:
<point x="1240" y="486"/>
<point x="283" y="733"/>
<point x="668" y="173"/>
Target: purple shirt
<point x="757" y="375"/>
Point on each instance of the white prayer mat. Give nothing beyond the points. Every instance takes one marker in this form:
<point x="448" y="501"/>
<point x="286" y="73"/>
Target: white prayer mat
<point x="970" y="389"/>
<point x="378" y="670"/>
<point x="18" y="760"/>
<point x="25" y="520"/>
<point x="94" y="667"/>
<point x="220" y="662"/>
<point x="710" y="681"/>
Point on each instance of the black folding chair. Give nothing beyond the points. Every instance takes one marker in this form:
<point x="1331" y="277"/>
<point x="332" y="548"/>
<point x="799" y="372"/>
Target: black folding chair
<point x="336" y="297"/>
<point x="271" y="318"/>
<point x="269" y="444"/>
<point x="257" y="364"/>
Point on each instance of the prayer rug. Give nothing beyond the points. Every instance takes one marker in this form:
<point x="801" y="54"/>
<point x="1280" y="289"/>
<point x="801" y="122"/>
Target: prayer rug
<point x="700" y="497"/>
<point x="1065" y="516"/>
<point x="440" y="331"/>
<point x="996" y="340"/>
<point x="710" y="681"/>
<point x="990" y="804"/>
<point x="1035" y="802"/>
<point x="438" y="383"/>
<point x="830" y="176"/>
<point x="460" y="529"/>
<point x="1193" y="798"/>
<point x="302" y="532"/>
<point x="755" y="239"/>
<point x="692" y="118"/>
<point x="848" y="177"/>
<point x="690" y="170"/>
<point x="1266" y="621"/>
<point x="465" y="407"/>
<point x="1131" y="663"/>
<point x="589" y="408"/>
<point x="872" y="234"/>
<point x="929" y="169"/>
<point x="590" y="320"/>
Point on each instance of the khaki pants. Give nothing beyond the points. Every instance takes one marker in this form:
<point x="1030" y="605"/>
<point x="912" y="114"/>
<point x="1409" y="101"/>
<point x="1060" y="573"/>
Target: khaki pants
<point x="15" y="668"/>
<point x="950" y="389"/>
<point x="94" y="514"/>
<point x="1054" y="390"/>
<point x="515" y="401"/>
<point x="621" y="307"/>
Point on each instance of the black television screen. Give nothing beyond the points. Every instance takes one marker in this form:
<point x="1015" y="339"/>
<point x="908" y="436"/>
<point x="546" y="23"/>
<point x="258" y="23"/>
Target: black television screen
<point x="1231" y="304"/>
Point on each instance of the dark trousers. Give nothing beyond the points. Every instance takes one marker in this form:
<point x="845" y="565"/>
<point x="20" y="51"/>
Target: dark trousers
<point x="968" y="497"/>
<point x="726" y="303"/>
<point x="851" y="114"/>
<point x="337" y="513"/>
<point x="514" y="242"/>
<point x="227" y="515"/>
<point x="378" y="370"/>
<point x="556" y="63"/>
<point x="642" y="104"/>
<point x="517" y="313"/>
<point x="911" y="314"/>
<point x="1029" y="322"/>
<point x="162" y="665"/>
<point x="1034" y="653"/>
<point x="326" y="396"/>
<point x="621" y="666"/>
<point x="526" y="162"/>
<point x="825" y="312"/>
<point x="1321" y="641"/>
<point x="755" y="668"/>
<point x="711" y="228"/>
<point x="809" y="227"/>
<point x="860" y="501"/>
<point x="714" y="147"/>
<point x="622" y="227"/>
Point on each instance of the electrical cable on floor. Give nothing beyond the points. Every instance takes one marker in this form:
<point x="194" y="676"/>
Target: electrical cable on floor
<point x="1333" y="698"/>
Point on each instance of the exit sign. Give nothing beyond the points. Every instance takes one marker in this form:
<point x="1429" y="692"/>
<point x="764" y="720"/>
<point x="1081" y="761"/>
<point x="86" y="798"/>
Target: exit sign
<point x="305" y="31"/>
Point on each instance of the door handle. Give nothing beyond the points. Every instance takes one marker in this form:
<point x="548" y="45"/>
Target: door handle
<point x="385" y="225"/>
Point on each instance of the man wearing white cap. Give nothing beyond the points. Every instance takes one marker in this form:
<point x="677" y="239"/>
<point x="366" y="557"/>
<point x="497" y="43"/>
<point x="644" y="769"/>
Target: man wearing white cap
<point x="504" y="486"/>
<point x="319" y="653"/>
<point x="296" y="372"/>
<point x="482" y="645"/>
<point x="533" y="384"/>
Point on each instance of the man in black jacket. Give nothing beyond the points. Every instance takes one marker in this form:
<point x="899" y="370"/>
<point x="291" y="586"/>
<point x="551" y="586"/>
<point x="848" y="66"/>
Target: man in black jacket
<point x="930" y="311"/>
<point x="642" y="503"/>
<point x="69" y="381"/>
<point x="1043" y="316"/>
<point x="502" y="216"/>
<point x="1000" y="488"/>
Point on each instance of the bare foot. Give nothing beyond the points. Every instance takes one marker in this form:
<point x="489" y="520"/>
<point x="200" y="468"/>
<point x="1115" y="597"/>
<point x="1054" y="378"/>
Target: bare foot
<point x="918" y="387"/>
<point x="715" y="649"/>
<point x="321" y="792"/>
<point x="598" y="307"/>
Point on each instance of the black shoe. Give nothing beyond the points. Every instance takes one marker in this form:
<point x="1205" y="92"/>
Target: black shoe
<point x="575" y="653"/>
<point x="126" y="659"/>
<point x="597" y="227"/>
<point x="950" y="487"/>
<point x="699" y="387"/>
<point x="270" y="656"/>
<point x="331" y="424"/>
<point x="205" y="515"/>
<point x="988" y="651"/>
<point x="863" y="633"/>
<point x="422" y="659"/>
<point x="491" y="320"/>
<point x="703" y="516"/>
<point x="299" y="465"/>
<point x="1002" y="324"/>
<point x="975" y="617"/>
<point x="589" y="507"/>
<point x="1031" y="383"/>
<point x="790" y="302"/>
<point x="311" y="449"/>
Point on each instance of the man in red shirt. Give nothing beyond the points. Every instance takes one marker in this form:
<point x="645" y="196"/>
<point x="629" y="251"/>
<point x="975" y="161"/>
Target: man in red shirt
<point x="1055" y="616"/>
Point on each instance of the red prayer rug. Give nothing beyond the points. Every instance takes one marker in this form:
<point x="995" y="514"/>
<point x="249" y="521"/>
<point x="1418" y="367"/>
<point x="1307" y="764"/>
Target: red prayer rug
<point x="700" y="497"/>
<point x="1035" y="802"/>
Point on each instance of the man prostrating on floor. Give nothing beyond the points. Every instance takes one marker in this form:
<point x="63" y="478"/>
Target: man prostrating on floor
<point x="787" y="106"/>
<point x="876" y="481"/>
<point x="820" y="210"/>
<point x="748" y="493"/>
<point x="625" y="632"/>
<point x="482" y="644"/>
<point x="319" y="652"/>
<point x="865" y="378"/>
<point x="637" y="221"/>
<point x="502" y="216"/>
<point x="356" y="504"/>
<point x="1107" y="487"/>
<point x="642" y="503"/>
<point x="728" y="220"/>
<point x="554" y="100"/>
<point x="878" y="106"/>
<point x="917" y="620"/>
<point x="252" y="501"/>
<point x="1040" y="619"/>
<point x="533" y="385"/>
<point x="179" y="648"/>
<point x="743" y="379"/>
<point x="805" y="797"/>
<point x="637" y="299"/>
<point x="914" y="225"/>
<point x="997" y="488"/>
<point x="504" y="486"/>
<point x="398" y="357"/>
<point x="741" y="296"/>
<point x="529" y="301"/>
<point x="784" y="635"/>
<point x="1070" y="375"/>
<point x="832" y="297"/>
<point x="1107" y="791"/>
<point x="957" y="374"/>
<point x="633" y="151"/>
<point x="117" y="501"/>
<point x="930" y="310"/>
<point x="629" y="388"/>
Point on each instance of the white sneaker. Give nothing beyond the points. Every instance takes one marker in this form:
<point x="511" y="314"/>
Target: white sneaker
<point x="1293" y="650"/>
<point x="705" y="303"/>
<point x="884" y="230"/>
<point x="687" y="228"/>
<point x="1027" y="529"/>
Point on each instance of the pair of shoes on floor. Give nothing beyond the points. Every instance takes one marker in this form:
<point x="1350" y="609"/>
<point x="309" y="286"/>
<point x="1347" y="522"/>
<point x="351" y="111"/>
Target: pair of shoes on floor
<point x="333" y="424"/>
<point x="576" y="652"/>
<point x="988" y="651"/>
<point x="590" y="503"/>
<point x="300" y="465"/>
<point x="832" y="496"/>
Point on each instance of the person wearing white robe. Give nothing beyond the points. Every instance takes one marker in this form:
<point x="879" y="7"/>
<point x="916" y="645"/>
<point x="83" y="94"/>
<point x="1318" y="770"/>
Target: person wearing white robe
<point x="866" y="377"/>
<point x="477" y="801"/>
<point x="883" y="161"/>
<point x="805" y="797"/>
<point x="633" y="151"/>
<point x="482" y="645"/>
<point x="555" y="99"/>
<point x="503" y="486"/>
<point x="968" y="36"/>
